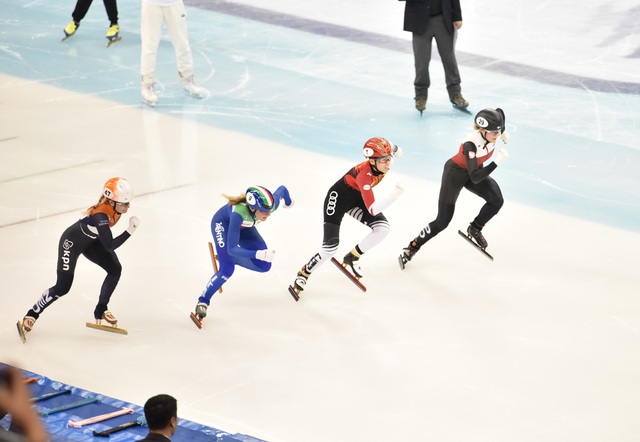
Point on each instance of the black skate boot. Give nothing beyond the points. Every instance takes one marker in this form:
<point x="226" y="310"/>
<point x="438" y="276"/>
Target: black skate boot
<point x="351" y="262"/>
<point x="477" y="236"/>
<point x="408" y="253"/>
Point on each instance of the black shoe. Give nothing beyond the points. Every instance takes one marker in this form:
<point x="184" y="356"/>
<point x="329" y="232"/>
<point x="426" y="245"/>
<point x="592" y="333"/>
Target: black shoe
<point x="476" y="234"/>
<point x="408" y="253"/>
<point x="351" y="261"/>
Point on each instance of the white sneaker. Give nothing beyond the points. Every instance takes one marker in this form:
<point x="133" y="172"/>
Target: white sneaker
<point x="189" y="85"/>
<point x="149" y="96"/>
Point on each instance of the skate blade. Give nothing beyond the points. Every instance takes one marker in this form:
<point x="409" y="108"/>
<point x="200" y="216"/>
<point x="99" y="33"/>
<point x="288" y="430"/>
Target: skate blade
<point x="109" y="328"/>
<point x="475" y="244"/>
<point x="149" y="103"/>
<point x="348" y="274"/>
<point x="214" y="261"/>
<point x="401" y="262"/>
<point x="113" y="40"/>
<point x="462" y="109"/>
<point x="22" y="332"/>
<point x="197" y="321"/>
<point x="294" y="293"/>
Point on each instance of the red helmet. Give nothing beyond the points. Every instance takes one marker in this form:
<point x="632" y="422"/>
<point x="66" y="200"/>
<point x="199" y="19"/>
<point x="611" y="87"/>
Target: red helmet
<point x="377" y="147"/>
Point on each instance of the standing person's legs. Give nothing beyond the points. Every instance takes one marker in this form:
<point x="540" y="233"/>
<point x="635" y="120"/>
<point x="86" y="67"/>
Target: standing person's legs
<point x="150" y="32"/>
<point x="81" y="9"/>
<point x="176" y="19"/>
<point x="111" y="6"/>
<point x="422" y="58"/>
<point x="446" y="49"/>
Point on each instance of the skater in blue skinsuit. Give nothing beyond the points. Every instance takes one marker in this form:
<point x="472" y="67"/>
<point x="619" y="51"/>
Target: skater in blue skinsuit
<point x="237" y="241"/>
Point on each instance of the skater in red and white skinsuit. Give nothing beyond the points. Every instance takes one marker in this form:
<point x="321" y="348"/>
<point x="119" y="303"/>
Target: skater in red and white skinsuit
<point x="467" y="169"/>
<point x="353" y="195"/>
<point x="91" y="236"/>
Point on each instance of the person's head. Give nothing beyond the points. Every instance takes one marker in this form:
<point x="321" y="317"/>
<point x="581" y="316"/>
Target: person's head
<point x="379" y="151"/>
<point x="490" y="123"/>
<point x="119" y="193"/>
<point x="161" y="413"/>
<point x="260" y="200"/>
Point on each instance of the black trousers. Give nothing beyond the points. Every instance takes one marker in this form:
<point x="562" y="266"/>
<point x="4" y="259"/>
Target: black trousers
<point x="82" y="7"/>
<point x="77" y="240"/>
<point x="454" y="179"/>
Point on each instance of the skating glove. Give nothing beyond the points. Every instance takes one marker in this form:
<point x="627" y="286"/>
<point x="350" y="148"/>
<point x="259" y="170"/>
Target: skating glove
<point x="502" y="156"/>
<point x="399" y="190"/>
<point x="134" y="222"/>
<point x="505" y="137"/>
<point x="283" y="193"/>
<point x="379" y="206"/>
<point x="265" y="255"/>
<point x="397" y="151"/>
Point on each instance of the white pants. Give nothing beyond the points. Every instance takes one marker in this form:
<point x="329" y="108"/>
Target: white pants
<point x="153" y="17"/>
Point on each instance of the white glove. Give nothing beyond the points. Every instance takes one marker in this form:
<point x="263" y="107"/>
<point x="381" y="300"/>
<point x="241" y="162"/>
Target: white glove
<point x="398" y="190"/>
<point x="134" y="222"/>
<point x="397" y="151"/>
<point x="265" y="255"/>
<point x="505" y="137"/>
<point x="502" y="156"/>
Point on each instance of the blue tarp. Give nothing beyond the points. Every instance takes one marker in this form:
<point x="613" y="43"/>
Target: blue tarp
<point x="56" y="421"/>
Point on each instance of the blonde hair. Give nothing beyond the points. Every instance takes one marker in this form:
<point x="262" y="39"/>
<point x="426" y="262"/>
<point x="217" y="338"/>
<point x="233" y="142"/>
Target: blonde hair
<point x="100" y="201"/>
<point x="233" y="200"/>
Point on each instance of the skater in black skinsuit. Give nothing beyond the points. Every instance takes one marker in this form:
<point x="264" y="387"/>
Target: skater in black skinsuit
<point x="466" y="170"/>
<point x="91" y="236"/>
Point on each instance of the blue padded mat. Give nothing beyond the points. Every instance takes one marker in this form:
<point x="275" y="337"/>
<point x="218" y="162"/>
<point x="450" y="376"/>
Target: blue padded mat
<point x="56" y="421"/>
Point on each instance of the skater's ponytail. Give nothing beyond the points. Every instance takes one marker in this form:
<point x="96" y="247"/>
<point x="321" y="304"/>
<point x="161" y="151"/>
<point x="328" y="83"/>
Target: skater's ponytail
<point x="238" y="199"/>
<point x="90" y="210"/>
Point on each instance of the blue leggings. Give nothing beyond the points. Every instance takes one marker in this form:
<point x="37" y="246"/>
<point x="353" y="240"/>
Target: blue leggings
<point x="250" y="239"/>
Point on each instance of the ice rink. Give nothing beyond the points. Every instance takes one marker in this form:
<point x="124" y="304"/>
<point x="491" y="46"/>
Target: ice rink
<point x="542" y="344"/>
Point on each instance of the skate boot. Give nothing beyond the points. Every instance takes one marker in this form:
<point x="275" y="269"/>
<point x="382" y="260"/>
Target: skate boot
<point x="459" y="102"/>
<point x="299" y="283"/>
<point x="351" y="262"/>
<point x="189" y="85"/>
<point x="71" y="29"/>
<point x="108" y="316"/>
<point x="408" y="253"/>
<point x="148" y="91"/>
<point x="477" y="236"/>
<point x="113" y="34"/>
<point x="421" y="104"/>
<point x="28" y="322"/>
<point x="201" y="310"/>
<point x="301" y="280"/>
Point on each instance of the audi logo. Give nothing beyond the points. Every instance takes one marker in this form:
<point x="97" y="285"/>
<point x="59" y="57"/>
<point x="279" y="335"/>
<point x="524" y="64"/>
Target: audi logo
<point x="331" y="204"/>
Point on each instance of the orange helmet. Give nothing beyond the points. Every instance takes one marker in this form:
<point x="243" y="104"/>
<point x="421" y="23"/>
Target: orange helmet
<point x="118" y="189"/>
<point x="377" y="148"/>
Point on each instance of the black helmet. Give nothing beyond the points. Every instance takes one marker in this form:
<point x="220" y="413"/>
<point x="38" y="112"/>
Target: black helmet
<point x="490" y="119"/>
